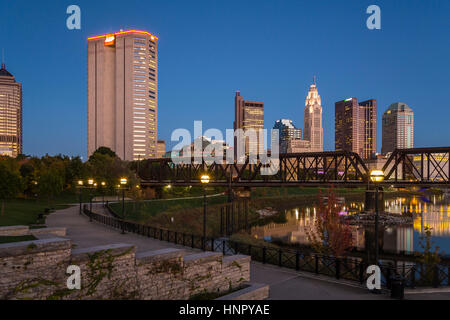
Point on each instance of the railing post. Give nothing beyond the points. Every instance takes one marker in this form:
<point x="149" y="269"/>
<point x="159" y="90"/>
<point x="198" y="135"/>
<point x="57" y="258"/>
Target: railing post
<point x="221" y="221"/>
<point x="192" y="239"/>
<point x="250" y="250"/>
<point x="246" y="215"/>
<point x="224" y="250"/>
<point x="337" y="263"/>
<point x="176" y="238"/>
<point x="316" y="257"/>
<point x="448" y="276"/>
<point x="388" y="277"/>
<point x="212" y="245"/>
<point x="264" y="255"/>
<point x="280" y="256"/>
<point x="361" y="272"/>
<point x="413" y="277"/>
<point x="297" y="261"/>
<point x="436" y="276"/>
<point x="184" y="239"/>
<point x="232" y="217"/>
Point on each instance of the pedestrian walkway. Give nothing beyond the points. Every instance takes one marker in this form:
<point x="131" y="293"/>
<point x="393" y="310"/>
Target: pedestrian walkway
<point x="85" y="234"/>
<point x="285" y="284"/>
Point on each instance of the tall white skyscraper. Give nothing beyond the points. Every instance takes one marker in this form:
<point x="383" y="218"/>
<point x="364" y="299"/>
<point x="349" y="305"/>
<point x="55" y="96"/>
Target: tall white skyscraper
<point x="123" y="94"/>
<point x="313" y="131"/>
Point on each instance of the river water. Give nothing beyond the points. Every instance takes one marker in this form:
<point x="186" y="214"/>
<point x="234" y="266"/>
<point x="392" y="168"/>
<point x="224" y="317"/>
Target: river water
<point x="432" y="212"/>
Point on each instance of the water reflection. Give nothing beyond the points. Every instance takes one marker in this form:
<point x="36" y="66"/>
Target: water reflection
<point x="432" y="212"/>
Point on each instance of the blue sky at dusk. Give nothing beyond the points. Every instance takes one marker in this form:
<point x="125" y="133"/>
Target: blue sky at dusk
<point x="269" y="50"/>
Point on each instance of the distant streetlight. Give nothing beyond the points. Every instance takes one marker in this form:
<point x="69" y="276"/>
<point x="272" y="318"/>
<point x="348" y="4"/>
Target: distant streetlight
<point x="376" y="176"/>
<point x="103" y="184"/>
<point x="205" y="180"/>
<point x="123" y="183"/>
<point x="80" y="187"/>
<point x="91" y="186"/>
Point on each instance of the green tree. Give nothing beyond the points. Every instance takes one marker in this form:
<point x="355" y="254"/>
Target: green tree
<point x="10" y="185"/>
<point x="50" y="184"/>
<point x="105" y="151"/>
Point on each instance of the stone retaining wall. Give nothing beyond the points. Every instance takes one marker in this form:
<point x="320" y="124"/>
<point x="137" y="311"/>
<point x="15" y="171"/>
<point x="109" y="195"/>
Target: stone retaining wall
<point x="15" y="231"/>
<point x="37" y="270"/>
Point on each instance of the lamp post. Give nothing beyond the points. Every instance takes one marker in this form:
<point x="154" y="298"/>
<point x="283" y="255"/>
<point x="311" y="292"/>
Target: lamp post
<point x="205" y="180"/>
<point x="91" y="183"/>
<point x="80" y="188"/>
<point x="103" y="184"/>
<point x="123" y="183"/>
<point x="376" y="176"/>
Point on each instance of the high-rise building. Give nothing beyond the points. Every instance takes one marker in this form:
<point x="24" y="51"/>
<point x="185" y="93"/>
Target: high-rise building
<point x="10" y="114"/>
<point x="398" y="128"/>
<point x="249" y="115"/>
<point x="287" y="132"/>
<point x="161" y="149"/>
<point x="313" y="130"/>
<point x="123" y="94"/>
<point x="369" y="110"/>
<point x="297" y="146"/>
<point x="356" y="127"/>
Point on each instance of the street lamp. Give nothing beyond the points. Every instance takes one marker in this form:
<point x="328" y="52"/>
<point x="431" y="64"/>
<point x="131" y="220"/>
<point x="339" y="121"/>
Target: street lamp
<point x="123" y="183"/>
<point x="80" y="186"/>
<point x="91" y="185"/>
<point x="103" y="184"/>
<point x="205" y="180"/>
<point x="376" y="176"/>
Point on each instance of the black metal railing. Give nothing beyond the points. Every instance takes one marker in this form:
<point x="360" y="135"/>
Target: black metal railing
<point x="348" y="268"/>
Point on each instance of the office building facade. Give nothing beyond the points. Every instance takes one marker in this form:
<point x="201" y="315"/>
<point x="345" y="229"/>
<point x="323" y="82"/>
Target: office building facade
<point x="287" y="132"/>
<point x="398" y="128"/>
<point x="356" y="127"/>
<point x="123" y="94"/>
<point x="249" y="115"/>
<point x="296" y="146"/>
<point x="161" y="150"/>
<point x="10" y="114"/>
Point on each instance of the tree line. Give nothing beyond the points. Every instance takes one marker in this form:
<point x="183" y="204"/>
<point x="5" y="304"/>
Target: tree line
<point x="47" y="177"/>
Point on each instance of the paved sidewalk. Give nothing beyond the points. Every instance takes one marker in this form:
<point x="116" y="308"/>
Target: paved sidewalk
<point x="85" y="234"/>
<point x="285" y="284"/>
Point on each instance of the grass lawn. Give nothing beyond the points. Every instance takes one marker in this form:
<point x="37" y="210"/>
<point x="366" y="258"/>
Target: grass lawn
<point x="16" y="239"/>
<point x="187" y="215"/>
<point x="141" y="211"/>
<point x="25" y="212"/>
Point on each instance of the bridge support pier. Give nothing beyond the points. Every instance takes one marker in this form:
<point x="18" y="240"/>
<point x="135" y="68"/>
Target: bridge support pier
<point x="241" y="193"/>
<point x="151" y="193"/>
<point x="369" y="202"/>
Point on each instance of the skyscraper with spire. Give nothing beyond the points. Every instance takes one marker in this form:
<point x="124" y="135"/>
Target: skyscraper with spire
<point x="10" y="114"/>
<point x="313" y="131"/>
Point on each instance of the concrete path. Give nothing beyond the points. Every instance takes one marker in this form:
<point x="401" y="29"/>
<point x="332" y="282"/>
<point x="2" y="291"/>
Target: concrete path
<point x="285" y="284"/>
<point x="85" y="234"/>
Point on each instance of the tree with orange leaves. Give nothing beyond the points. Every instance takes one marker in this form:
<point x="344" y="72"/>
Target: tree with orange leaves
<point x="330" y="234"/>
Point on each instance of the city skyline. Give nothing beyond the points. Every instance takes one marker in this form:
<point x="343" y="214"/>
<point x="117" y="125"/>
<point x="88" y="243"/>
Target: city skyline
<point x="280" y="87"/>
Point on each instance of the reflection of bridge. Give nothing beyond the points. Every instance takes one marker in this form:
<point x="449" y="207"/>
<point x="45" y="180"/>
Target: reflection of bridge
<point x="424" y="166"/>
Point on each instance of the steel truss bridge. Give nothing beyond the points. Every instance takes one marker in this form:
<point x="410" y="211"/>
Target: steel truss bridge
<point x="405" y="167"/>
